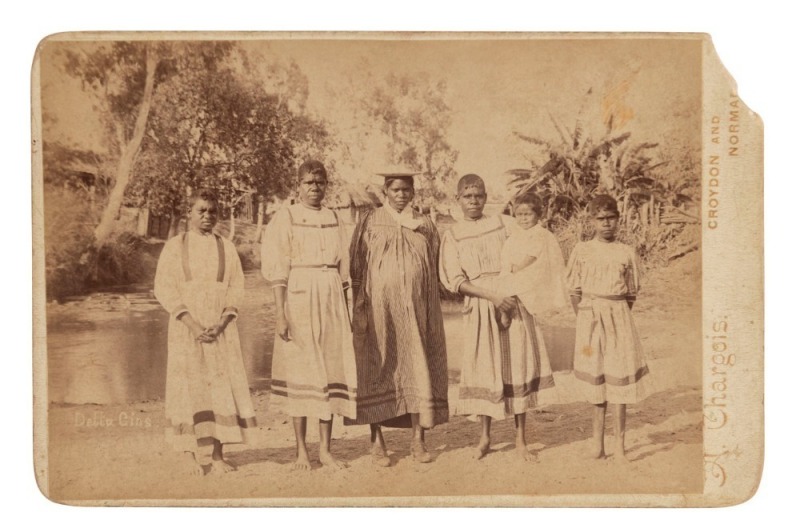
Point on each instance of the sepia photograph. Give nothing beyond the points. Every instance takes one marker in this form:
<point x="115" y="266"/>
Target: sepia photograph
<point x="384" y="269"/>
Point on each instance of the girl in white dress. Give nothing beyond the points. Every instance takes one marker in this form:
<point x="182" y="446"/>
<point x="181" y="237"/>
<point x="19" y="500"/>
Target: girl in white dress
<point x="609" y="365"/>
<point x="532" y="258"/>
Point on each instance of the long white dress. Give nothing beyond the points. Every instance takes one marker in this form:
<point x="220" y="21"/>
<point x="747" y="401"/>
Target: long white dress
<point x="207" y="393"/>
<point x="313" y="374"/>
<point x="502" y="371"/>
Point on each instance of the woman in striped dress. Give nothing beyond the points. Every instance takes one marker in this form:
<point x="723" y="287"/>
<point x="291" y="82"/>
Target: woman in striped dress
<point x="398" y="330"/>
<point x="199" y="281"/>
<point x="502" y="369"/>
<point x="305" y="260"/>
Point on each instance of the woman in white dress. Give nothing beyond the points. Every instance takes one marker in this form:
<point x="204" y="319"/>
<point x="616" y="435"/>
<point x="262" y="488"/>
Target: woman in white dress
<point x="199" y="281"/>
<point x="305" y="260"/>
<point x="502" y="369"/>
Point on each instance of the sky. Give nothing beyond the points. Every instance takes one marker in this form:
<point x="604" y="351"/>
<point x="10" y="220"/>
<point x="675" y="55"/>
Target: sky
<point x="496" y="85"/>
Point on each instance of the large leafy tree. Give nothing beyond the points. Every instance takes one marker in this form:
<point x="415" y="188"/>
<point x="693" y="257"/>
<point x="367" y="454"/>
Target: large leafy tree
<point x="225" y="127"/>
<point x="569" y="171"/>
<point x="177" y="116"/>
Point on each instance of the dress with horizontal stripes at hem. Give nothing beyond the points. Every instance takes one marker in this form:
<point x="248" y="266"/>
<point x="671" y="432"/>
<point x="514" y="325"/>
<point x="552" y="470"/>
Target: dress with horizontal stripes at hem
<point x="503" y="371"/>
<point x="313" y="374"/>
<point x="609" y="362"/>
<point x="398" y="330"/>
<point x="207" y="393"/>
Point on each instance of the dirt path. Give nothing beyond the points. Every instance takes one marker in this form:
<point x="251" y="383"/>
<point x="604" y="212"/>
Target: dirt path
<point x="118" y="452"/>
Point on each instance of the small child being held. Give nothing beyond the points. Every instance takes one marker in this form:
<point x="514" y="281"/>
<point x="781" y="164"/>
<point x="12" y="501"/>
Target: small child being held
<point x="532" y="255"/>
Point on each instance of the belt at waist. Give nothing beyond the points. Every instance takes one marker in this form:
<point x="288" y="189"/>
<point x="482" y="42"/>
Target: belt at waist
<point x="605" y="297"/>
<point x="315" y="266"/>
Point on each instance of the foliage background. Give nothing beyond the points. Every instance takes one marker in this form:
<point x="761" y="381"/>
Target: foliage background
<point x="579" y="116"/>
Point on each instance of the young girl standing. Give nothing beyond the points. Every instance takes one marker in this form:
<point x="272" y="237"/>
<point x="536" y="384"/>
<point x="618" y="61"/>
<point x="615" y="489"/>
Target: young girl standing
<point x="603" y="279"/>
<point x="305" y="260"/>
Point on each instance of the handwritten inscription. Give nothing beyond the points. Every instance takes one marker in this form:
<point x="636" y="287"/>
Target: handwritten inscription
<point x="715" y="407"/>
<point x="713" y="463"/>
<point x="722" y="360"/>
<point x="99" y="419"/>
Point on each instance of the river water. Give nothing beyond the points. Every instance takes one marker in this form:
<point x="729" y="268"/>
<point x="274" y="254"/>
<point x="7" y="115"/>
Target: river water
<point x="112" y="348"/>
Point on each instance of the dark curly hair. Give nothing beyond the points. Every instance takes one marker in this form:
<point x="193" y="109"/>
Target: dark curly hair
<point x="603" y="203"/>
<point x="201" y="194"/>
<point x="529" y="198"/>
<point x="311" y="167"/>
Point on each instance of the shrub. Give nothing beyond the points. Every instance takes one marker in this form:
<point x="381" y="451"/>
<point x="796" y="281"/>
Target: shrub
<point x="249" y="254"/>
<point x="68" y="236"/>
<point x="125" y="259"/>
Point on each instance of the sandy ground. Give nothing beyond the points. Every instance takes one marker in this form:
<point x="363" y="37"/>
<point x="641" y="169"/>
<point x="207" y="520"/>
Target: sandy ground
<point x="118" y="452"/>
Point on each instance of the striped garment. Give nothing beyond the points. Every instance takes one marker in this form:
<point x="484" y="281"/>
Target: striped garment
<point x="502" y="371"/>
<point x="314" y="374"/>
<point x="609" y="361"/>
<point x="207" y="394"/>
<point x="398" y="331"/>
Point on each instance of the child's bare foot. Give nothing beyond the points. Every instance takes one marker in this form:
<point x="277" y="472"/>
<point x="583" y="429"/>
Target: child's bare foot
<point x="191" y="465"/>
<point x="221" y="466"/>
<point x="596" y="453"/>
<point x="620" y="457"/>
<point x="621" y="460"/>
<point x="379" y="455"/>
<point x="302" y="463"/>
<point x="328" y="460"/>
<point x="482" y="449"/>
<point x="524" y="454"/>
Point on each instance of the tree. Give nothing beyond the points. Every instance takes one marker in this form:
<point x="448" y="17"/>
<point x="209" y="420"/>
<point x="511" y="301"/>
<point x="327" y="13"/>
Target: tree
<point x="123" y="78"/>
<point x="568" y="172"/>
<point x="217" y="126"/>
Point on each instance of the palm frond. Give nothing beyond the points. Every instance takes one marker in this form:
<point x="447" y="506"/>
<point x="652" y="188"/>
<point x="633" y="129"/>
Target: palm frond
<point x="561" y="131"/>
<point x="534" y="140"/>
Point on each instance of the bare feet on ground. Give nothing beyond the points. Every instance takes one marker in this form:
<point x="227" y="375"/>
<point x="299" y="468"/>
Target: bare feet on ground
<point x="379" y="455"/>
<point x="221" y="466"/>
<point x="596" y="452"/>
<point x="620" y="457"/>
<point x="191" y="465"/>
<point x="302" y="463"/>
<point x="419" y="453"/>
<point x="482" y="449"/>
<point x="328" y="460"/>
<point x="524" y="454"/>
